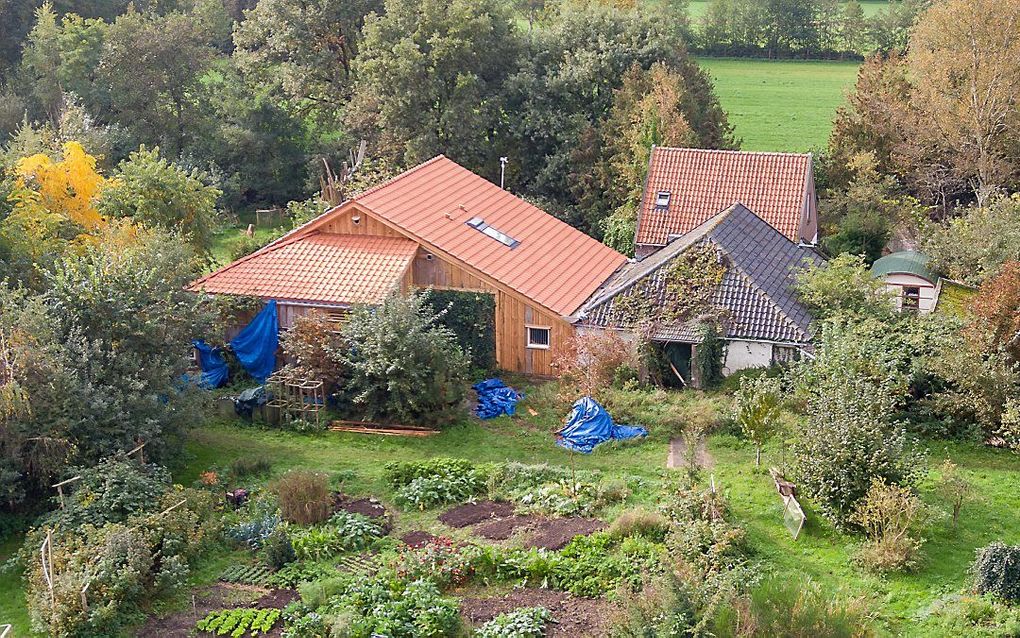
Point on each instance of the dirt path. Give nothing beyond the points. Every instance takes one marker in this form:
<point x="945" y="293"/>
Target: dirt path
<point x="677" y="451"/>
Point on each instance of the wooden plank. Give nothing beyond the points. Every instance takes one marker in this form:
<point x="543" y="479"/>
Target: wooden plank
<point x="382" y="431"/>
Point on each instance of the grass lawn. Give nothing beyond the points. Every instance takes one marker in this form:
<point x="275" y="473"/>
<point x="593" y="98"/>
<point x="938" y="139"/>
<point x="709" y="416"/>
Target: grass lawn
<point x="780" y="105"/>
<point x="12" y="596"/>
<point x="697" y="8"/>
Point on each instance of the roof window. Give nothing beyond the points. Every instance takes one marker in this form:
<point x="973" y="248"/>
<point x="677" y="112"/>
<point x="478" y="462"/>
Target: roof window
<point x="479" y="224"/>
<point x="662" y="200"/>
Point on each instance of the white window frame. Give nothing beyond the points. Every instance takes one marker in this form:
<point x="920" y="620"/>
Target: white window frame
<point x="537" y="346"/>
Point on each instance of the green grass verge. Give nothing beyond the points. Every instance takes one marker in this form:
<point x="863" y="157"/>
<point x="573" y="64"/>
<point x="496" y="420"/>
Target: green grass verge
<point x="697" y="8"/>
<point x="780" y="105"/>
<point x="13" y="609"/>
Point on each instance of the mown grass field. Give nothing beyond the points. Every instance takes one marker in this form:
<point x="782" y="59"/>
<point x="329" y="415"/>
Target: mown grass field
<point x="697" y="8"/>
<point x="781" y="105"/>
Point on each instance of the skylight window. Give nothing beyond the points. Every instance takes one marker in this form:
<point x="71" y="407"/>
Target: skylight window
<point x="662" y="200"/>
<point x="479" y="224"/>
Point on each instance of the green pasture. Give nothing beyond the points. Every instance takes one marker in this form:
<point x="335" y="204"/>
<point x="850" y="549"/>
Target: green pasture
<point x="781" y="105"/>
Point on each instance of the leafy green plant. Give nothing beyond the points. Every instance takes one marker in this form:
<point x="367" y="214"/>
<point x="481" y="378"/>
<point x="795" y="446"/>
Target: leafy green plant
<point x="526" y="622"/>
<point x="344" y="532"/>
<point x="246" y="574"/>
<point x="239" y="622"/>
<point x="438" y="560"/>
<point x="297" y="572"/>
<point x="757" y="407"/>
<point x="424" y="484"/>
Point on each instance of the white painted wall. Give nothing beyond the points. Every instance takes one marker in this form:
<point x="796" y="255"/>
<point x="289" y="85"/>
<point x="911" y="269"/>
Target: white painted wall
<point x="895" y="283"/>
<point x="746" y="354"/>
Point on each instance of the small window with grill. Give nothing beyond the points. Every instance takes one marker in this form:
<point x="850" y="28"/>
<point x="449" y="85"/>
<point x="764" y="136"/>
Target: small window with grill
<point x="662" y="200"/>
<point x="538" y="337"/>
<point x="911" y="298"/>
<point x="785" y="354"/>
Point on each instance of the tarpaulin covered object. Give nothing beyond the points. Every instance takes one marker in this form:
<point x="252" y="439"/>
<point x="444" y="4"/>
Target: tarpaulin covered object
<point x="589" y="424"/>
<point x="495" y="398"/>
<point x="255" y="346"/>
<point x="214" y="368"/>
<point x="246" y="402"/>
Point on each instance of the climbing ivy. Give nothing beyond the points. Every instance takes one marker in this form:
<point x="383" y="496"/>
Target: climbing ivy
<point x="690" y="279"/>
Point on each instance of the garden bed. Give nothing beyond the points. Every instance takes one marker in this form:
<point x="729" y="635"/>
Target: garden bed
<point x="417" y="538"/>
<point x="181" y="624"/>
<point x="555" y="533"/>
<point x="500" y="529"/>
<point x="571" y="616"/>
<point x="474" y="513"/>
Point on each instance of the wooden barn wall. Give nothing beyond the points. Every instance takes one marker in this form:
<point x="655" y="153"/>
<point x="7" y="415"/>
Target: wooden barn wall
<point x="442" y="275"/>
<point x="343" y="224"/>
<point x="512" y="353"/>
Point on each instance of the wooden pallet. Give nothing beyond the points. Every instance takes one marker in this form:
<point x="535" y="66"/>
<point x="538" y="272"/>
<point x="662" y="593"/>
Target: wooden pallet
<point x="364" y="427"/>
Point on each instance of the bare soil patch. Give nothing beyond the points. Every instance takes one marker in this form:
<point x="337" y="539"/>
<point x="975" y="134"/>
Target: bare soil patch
<point x="474" y="513"/>
<point x="370" y="507"/>
<point x="571" y="616"/>
<point x="554" y="533"/>
<point x="276" y="599"/>
<point x="417" y="538"/>
<point x="181" y="624"/>
<point x="501" y="529"/>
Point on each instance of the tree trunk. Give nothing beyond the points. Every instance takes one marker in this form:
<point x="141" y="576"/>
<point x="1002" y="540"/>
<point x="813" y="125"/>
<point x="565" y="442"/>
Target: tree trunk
<point x="757" y="456"/>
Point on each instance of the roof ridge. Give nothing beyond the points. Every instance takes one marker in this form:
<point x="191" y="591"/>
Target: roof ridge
<point x="276" y="244"/>
<point x="730" y="151"/>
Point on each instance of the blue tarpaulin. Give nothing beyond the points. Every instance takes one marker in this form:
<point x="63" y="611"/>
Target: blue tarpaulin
<point x="589" y="424"/>
<point x="495" y="398"/>
<point x="255" y="346"/>
<point x="214" y="368"/>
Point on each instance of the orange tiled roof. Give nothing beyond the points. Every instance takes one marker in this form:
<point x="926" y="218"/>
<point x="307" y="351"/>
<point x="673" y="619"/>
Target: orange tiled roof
<point x="318" y="267"/>
<point x="703" y="183"/>
<point x="554" y="264"/>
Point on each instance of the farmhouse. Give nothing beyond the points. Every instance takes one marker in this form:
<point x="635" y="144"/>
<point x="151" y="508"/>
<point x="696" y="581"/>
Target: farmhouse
<point x="437" y="225"/>
<point x="735" y="271"/>
<point x="687" y="186"/>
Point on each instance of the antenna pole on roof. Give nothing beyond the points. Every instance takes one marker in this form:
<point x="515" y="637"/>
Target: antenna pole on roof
<point x="502" y="171"/>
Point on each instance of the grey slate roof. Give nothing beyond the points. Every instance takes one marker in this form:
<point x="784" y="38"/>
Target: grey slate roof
<point x="755" y="294"/>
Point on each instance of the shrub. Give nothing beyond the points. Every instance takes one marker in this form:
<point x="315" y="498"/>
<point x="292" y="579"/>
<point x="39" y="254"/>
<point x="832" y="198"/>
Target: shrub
<point x="344" y="532"/>
<point x="590" y="363"/>
<point x="953" y="487"/>
<point x="278" y="549"/>
<point x="699" y="533"/>
<point x="997" y="571"/>
<point x="525" y="622"/>
<point x="889" y="515"/>
<point x="304" y="496"/>
<point x="316" y="349"/>
<point x="799" y="609"/>
<point x="665" y="606"/>
<point x="404" y="366"/>
<point x="438" y="560"/>
<point x="757" y="407"/>
<point x="111" y="491"/>
<point x="640" y="522"/>
<point x="368" y="606"/>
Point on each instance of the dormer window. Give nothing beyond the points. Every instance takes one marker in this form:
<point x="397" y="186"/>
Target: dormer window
<point x="662" y="200"/>
<point x="479" y="224"/>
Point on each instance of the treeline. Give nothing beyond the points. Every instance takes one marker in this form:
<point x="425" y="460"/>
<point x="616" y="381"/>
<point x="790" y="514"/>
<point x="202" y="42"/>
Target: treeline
<point x="256" y="97"/>
<point x="803" y="28"/>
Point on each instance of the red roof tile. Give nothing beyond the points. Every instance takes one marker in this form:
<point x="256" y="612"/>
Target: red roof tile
<point x="702" y="183"/>
<point x="554" y="264"/>
<point x="318" y="267"/>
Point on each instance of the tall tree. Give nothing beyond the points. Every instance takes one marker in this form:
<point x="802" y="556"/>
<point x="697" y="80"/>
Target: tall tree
<point x="963" y="54"/>
<point x="431" y="78"/>
<point x="304" y="49"/>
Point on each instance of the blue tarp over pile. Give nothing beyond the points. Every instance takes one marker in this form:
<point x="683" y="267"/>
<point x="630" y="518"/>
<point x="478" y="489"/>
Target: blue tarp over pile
<point x="255" y="346"/>
<point x="214" y="368"/>
<point x="589" y="424"/>
<point x="495" y="398"/>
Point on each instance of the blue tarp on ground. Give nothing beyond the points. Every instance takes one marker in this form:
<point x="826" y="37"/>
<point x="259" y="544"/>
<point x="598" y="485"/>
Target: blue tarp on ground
<point x="255" y="346"/>
<point x="589" y="424"/>
<point x="214" y="368"/>
<point x="495" y="398"/>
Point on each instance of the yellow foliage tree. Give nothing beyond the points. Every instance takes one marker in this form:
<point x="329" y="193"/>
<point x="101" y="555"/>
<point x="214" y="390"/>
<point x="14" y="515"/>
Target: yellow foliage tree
<point x="66" y="188"/>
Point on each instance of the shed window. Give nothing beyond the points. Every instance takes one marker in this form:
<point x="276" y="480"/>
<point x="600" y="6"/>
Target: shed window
<point x="662" y="200"/>
<point x="538" y="337"/>
<point x="479" y="224"/>
<point x="785" y="354"/>
<point x="911" y="298"/>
